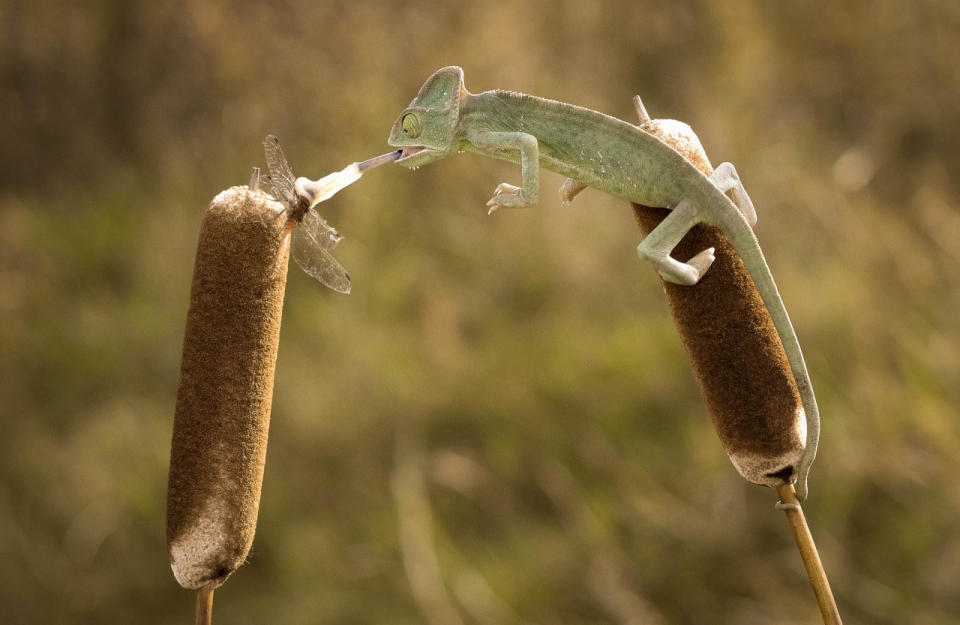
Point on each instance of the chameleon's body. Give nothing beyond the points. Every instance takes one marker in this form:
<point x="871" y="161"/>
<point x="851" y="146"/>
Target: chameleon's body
<point x="610" y="155"/>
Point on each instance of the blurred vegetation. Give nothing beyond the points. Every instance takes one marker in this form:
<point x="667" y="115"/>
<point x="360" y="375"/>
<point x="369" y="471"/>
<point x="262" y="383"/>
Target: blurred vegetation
<point x="518" y="374"/>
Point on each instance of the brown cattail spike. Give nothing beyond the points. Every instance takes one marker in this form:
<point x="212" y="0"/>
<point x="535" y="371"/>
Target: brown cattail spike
<point x="226" y="386"/>
<point x="732" y="344"/>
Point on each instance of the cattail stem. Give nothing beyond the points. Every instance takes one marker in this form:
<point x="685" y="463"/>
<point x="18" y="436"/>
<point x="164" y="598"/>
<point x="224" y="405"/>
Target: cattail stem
<point x="808" y="552"/>
<point x="205" y="605"/>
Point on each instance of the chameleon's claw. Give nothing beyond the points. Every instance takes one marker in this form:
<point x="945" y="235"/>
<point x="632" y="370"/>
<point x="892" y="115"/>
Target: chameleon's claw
<point x="494" y="202"/>
<point x="787" y="506"/>
<point x="702" y="261"/>
<point x="569" y="190"/>
<point x="507" y="196"/>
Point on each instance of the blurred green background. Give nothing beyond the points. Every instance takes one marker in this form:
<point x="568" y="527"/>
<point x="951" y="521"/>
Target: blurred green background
<point x="499" y="425"/>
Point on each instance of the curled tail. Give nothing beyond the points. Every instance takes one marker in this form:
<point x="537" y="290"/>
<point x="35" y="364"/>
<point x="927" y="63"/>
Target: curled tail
<point x="745" y="242"/>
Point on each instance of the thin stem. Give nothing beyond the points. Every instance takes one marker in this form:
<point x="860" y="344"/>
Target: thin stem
<point x="205" y="605"/>
<point x="417" y="545"/>
<point x="808" y="552"/>
<point x="254" y="179"/>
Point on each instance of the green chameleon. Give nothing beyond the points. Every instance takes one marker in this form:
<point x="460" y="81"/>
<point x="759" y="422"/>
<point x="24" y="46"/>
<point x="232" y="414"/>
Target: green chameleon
<point x="611" y="155"/>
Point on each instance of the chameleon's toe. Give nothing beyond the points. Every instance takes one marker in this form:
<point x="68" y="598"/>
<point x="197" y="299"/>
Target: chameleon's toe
<point x="681" y="274"/>
<point x="688" y="273"/>
<point x="507" y="196"/>
<point x="702" y="261"/>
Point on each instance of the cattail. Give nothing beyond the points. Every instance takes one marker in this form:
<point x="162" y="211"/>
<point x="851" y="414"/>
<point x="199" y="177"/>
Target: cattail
<point x="226" y="385"/>
<point x="732" y="344"/>
<point x="740" y="364"/>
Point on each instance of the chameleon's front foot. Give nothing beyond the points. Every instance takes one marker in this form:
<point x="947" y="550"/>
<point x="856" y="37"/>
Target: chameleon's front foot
<point x="509" y="196"/>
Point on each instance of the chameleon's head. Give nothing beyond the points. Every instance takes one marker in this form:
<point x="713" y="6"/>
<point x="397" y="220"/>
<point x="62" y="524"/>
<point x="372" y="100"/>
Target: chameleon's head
<point x="426" y="129"/>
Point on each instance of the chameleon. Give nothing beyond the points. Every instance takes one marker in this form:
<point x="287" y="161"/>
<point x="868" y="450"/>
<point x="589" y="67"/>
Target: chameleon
<point x="600" y="151"/>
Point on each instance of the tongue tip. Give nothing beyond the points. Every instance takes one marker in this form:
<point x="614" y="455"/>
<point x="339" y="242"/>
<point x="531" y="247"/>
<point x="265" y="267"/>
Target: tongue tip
<point x="376" y="161"/>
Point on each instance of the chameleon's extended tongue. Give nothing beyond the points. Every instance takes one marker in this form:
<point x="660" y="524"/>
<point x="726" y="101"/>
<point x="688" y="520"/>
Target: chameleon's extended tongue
<point x="376" y="161"/>
<point x="319" y="190"/>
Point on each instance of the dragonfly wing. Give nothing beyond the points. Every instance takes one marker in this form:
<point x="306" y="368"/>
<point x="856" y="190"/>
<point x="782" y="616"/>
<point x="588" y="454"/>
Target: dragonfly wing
<point x="319" y="264"/>
<point x="281" y="176"/>
<point x="271" y="219"/>
<point x="319" y="231"/>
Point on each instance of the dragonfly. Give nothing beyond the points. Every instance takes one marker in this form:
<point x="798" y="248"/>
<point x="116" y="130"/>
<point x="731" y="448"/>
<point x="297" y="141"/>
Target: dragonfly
<point x="315" y="238"/>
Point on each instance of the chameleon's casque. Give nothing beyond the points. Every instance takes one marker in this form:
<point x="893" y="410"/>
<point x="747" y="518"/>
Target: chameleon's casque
<point x="426" y="129"/>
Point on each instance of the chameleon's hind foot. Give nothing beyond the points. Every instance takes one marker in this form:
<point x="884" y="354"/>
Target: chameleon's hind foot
<point x="509" y="196"/>
<point x="726" y="178"/>
<point x="570" y="189"/>
<point x="688" y="273"/>
<point x="657" y="245"/>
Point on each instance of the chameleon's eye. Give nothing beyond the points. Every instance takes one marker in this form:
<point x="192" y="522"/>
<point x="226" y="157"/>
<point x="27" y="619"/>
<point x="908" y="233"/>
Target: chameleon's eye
<point x="410" y="125"/>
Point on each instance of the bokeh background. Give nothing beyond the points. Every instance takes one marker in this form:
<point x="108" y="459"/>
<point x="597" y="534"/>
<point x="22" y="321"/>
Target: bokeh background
<point x="499" y="425"/>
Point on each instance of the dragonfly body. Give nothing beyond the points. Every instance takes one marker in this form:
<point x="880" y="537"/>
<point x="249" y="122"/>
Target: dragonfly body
<point x="299" y="195"/>
<point x="312" y="251"/>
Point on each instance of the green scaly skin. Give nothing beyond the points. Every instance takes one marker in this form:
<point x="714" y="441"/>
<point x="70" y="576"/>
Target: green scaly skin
<point x="611" y="155"/>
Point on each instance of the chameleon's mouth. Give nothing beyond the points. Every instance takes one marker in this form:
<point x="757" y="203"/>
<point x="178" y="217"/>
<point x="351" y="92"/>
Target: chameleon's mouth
<point x="413" y="156"/>
<point x="409" y="151"/>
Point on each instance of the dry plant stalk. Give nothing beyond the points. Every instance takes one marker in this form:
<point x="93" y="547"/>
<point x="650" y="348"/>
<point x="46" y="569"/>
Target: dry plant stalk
<point x="808" y="553"/>
<point x="219" y="444"/>
<point x="205" y="605"/>
<point x="415" y="526"/>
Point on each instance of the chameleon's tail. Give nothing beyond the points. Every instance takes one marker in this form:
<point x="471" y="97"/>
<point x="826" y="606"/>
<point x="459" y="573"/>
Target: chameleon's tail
<point x="745" y="242"/>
